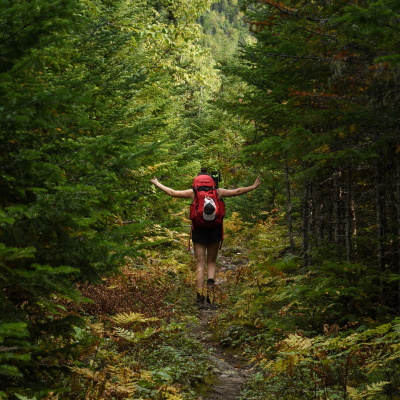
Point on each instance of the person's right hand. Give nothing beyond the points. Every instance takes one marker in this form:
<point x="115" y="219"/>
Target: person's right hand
<point x="154" y="181"/>
<point x="257" y="183"/>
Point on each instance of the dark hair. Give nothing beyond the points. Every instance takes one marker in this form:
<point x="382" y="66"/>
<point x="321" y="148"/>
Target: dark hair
<point x="203" y="171"/>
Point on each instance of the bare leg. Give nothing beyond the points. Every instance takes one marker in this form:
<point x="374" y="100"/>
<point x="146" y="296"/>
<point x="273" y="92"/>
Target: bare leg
<point x="212" y="253"/>
<point x="200" y="254"/>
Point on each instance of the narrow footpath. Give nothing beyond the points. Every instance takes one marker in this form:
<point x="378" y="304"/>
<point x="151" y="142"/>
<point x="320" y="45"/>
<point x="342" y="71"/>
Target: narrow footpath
<point x="231" y="370"/>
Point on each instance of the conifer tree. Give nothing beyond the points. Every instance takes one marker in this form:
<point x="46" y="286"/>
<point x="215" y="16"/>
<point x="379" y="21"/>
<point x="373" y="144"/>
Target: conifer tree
<point x="322" y="79"/>
<point x="76" y="78"/>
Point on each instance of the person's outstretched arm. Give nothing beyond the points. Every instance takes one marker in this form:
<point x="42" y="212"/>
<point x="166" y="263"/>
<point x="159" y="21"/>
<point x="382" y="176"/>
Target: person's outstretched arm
<point x="239" y="191"/>
<point x="186" y="194"/>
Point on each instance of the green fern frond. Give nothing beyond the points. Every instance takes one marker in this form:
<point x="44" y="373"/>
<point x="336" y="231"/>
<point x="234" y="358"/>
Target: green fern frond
<point x="126" y="380"/>
<point x="394" y="356"/>
<point x="296" y="342"/>
<point x="375" y="389"/>
<point x="124" y="318"/>
<point x="135" y="336"/>
<point x="250" y="291"/>
<point x="121" y="389"/>
<point x="287" y="363"/>
<point x="371" y="392"/>
<point x="170" y="396"/>
<point x="85" y="372"/>
<point x="21" y="397"/>
<point x="281" y="295"/>
<point x="146" y="376"/>
<point x="98" y="327"/>
<point x="353" y="393"/>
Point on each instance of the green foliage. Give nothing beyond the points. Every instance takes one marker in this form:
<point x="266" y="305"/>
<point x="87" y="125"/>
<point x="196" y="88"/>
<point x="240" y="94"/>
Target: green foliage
<point x="186" y="360"/>
<point x="338" y="364"/>
<point x="87" y="92"/>
<point x="69" y="143"/>
<point x="16" y="350"/>
<point x="324" y="106"/>
<point x="224" y="27"/>
<point x="98" y="96"/>
<point x="148" y="357"/>
<point x="312" y="333"/>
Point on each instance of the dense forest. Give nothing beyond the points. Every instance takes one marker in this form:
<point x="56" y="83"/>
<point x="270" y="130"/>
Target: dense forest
<point x="97" y="286"/>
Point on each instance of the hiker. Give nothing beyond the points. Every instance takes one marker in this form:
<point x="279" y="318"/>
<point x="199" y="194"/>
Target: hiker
<point x="209" y="235"/>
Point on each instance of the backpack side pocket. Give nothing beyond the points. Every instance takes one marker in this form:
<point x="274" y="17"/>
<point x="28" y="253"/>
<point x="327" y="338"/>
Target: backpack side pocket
<point x="193" y="212"/>
<point x="221" y="210"/>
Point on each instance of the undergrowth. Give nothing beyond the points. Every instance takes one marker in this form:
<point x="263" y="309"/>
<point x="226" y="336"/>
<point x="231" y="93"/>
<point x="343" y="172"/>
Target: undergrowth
<point x="311" y="333"/>
<point x="134" y="343"/>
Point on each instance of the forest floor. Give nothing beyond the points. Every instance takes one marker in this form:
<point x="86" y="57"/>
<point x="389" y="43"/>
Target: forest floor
<point x="231" y="370"/>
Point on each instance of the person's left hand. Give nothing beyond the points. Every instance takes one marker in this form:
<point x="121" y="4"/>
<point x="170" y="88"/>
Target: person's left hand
<point x="257" y="183"/>
<point x="154" y="181"/>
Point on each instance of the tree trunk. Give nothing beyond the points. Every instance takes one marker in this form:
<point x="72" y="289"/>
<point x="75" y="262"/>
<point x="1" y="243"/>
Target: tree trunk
<point x="311" y="210"/>
<point x="384" y="218"/>
<point x="289" y="208"/>
<point x="336" y="206"/>
<point x="379" y="217"/>
<point x="330" y="214"/>
<point x="342" y="216"/>
<point x="353" y="216"/>
<point x="311" y="218"/>
<point x="305" y="224"/>
<point x="398" y="214"/>
<point x="349" y="215"/>
<point x="320" y="217"/>
<point x="379" y="223"/>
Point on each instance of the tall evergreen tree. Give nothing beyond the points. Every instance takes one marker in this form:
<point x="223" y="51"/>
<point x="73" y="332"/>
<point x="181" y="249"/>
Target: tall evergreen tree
<point x="82" y="108"/>
<point x="322" y="78"/>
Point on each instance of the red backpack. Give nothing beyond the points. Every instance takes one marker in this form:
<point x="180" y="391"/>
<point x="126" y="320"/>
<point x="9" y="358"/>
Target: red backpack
<point x="205" y="190"/>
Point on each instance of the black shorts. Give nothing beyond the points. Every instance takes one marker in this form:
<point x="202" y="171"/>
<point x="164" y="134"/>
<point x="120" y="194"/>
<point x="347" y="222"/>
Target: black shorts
<point x="207" y="235"/>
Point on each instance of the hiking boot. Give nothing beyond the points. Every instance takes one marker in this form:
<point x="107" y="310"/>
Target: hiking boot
<point x="210" y="302"/>
<point x="200" y="301"/>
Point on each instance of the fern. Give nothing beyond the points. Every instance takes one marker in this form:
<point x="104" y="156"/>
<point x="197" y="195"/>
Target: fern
<point x="85" y="372"/>
<point x="125" y="377"/>
<point x="371" y="392"/>
<point x="170" y="396"/>
<point x="170" y="392"/>
<point x="21" y="397"/>
<point x="135" y="336"/>
<point x="296" y="342"/>
<point x="146" y="376"/>
<point x="353" y="393"/>
<point x="124" y="318"/>
<point x="123" y="380"/>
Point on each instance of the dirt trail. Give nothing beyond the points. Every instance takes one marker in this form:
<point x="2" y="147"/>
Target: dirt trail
<point x="230" y="370"/>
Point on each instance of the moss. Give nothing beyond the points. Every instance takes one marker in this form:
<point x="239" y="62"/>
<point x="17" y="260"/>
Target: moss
<point x="203" y="387"/>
